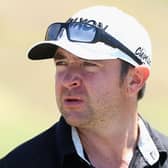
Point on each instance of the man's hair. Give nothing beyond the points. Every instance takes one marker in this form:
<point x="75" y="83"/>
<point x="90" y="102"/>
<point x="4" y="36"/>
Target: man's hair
<point x="123" y="72"/>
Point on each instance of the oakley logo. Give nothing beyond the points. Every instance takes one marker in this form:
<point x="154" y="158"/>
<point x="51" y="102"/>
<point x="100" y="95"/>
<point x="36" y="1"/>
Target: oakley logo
<point x="140" y="53"/>
<point x="92" y="22"/>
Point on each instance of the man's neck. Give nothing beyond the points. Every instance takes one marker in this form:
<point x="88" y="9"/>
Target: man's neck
<point x="111" y="145"/>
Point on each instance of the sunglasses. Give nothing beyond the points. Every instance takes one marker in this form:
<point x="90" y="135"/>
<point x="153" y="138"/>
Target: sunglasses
<point x="86" y="33"/>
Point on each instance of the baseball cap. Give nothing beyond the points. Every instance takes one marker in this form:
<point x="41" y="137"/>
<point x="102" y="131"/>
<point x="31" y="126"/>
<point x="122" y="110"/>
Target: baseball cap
<point x="123" y="27"/>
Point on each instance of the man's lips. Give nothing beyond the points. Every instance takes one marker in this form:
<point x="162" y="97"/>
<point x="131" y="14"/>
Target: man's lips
<point x="72" y="101"/>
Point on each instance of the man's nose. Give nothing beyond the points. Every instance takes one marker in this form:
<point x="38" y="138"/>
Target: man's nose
<point x="71" y="80"/>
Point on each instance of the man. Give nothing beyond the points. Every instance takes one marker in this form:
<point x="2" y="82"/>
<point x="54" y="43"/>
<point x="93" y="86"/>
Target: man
<point x="103" y="59"/>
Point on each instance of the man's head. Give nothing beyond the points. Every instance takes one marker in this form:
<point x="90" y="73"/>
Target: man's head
<point x="104" y="37"/>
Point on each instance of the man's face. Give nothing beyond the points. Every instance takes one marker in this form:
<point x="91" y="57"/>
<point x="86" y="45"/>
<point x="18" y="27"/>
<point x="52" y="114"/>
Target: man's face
<point x="87" y="92"/>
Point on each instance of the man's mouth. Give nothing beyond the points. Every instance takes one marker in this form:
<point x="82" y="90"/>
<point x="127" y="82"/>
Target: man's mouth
<point x="72" y="101"/>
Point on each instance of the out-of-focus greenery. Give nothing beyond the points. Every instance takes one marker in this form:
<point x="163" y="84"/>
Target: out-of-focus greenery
<point x="27" y="100"/>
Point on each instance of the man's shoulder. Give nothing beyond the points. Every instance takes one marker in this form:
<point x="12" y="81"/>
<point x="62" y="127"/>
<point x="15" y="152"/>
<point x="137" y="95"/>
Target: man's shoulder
<point x="36" y="149"/>
<point x="162" y="137"/>
<point x="158" y="137"/>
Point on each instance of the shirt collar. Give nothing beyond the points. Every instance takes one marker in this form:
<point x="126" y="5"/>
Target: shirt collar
<point x="145" y="144"/>
<point x="78" y="145"/>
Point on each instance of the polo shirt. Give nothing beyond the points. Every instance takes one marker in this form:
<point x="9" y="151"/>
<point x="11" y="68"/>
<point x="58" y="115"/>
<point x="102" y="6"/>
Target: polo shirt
<point x="58" y="147"/>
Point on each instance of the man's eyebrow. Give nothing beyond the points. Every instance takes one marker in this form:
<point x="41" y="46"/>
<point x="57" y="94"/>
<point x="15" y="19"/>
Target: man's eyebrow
<point x="59" y="55"/>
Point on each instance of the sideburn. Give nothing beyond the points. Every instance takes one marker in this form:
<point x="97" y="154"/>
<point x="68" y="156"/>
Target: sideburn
<point x="124" y="71"/>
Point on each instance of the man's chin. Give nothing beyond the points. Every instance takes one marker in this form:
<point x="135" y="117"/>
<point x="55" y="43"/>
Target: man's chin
<point x="74" y="120"/>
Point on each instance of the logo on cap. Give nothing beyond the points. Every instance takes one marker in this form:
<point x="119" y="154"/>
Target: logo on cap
<point x="141" y="54"/>
<point x="92" y="22"/>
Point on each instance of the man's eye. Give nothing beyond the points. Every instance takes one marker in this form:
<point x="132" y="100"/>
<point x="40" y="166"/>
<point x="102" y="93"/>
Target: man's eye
<point x="59" y="63"/>
<point x="90" y="64"/>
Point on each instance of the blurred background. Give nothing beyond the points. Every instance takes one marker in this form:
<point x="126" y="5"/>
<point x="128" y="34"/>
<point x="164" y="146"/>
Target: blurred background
<point x="27" y="98"/>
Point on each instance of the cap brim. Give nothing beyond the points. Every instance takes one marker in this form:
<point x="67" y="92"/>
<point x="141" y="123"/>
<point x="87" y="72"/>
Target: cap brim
<point x="47" y="49"/>
<point x="89" y="51"/>
<point x="42" y="50"/>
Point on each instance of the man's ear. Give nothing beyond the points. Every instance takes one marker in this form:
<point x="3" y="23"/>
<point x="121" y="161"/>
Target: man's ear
<point x="136" y="79"/>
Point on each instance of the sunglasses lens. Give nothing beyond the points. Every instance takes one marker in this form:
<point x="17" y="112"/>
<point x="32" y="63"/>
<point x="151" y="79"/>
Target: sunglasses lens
<point x="81" y="32"/>
<point x="53" y="31"/>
